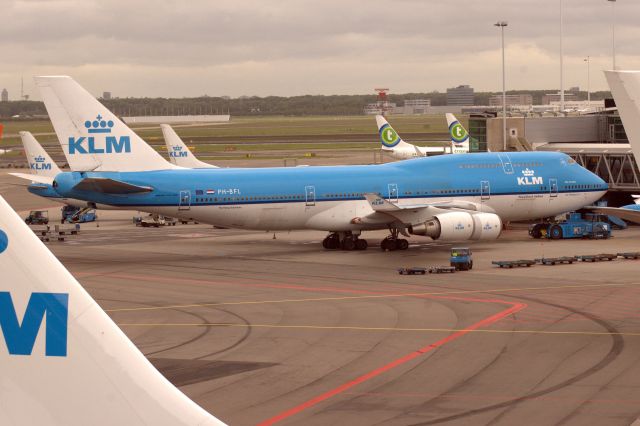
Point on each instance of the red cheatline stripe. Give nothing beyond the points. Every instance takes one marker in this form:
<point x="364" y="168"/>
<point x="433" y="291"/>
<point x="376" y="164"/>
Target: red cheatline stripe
<point x="515" y="307"/>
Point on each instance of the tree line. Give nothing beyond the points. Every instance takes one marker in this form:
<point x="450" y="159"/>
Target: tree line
<point x="269" y="105"/>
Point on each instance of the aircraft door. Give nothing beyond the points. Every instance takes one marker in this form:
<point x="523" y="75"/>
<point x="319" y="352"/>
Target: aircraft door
<point x="393" y="193"/>
<point x="310" y="195"/>
<point x="485" y="190"/>
<point x="553" y="187"/>
<point x="506" y="163"/>
<point x="184" y="203"/>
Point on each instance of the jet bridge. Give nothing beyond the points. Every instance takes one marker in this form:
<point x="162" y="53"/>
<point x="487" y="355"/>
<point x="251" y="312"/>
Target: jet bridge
<point x="613" y="162"/>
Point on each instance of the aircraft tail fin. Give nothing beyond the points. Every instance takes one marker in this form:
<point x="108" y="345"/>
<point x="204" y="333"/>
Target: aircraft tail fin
<point x="179" y="152"/>
<point x="625" y="88"/>
<point x="40" y="163"/>
<point x="389" y="138"/>
<point x="76" y="367"/>
<point x="458" y="134"/>
<point x="92" y="137"/>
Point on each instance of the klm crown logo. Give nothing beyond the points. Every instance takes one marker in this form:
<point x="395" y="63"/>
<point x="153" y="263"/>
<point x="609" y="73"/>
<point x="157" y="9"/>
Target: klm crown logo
<point x="528" y="172"/>
<point x="98" y="125"/>
<point x="91" y="145"/>
<point x="178" y="152"/>
<point x="39" y="163"/>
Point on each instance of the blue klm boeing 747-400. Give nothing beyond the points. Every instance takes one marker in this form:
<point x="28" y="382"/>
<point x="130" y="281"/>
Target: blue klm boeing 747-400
<point x="451" y="197"/>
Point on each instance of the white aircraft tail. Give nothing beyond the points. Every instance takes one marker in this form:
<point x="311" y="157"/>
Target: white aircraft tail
<point x="625" y="88"/>
<point x="40" y="163"/>
<point x="179" y="152"/>
<point x="76" y="367"/>
<point x="458" y="134"/>
<point x="389" y="138"/>
<point x="93" y="138"/>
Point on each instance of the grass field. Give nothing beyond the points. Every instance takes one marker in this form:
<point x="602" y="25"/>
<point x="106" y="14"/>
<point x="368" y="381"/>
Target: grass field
<point x="343" y="132"/>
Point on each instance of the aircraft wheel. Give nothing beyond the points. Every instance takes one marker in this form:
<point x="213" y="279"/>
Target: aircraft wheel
<point x="388" y="244"/>
<point x="325" y="243"/>
<point x="332" y="242"/>
<point x="402" y="244"/>
<point x="348" y="244"/>
<point x="361" y="244"/>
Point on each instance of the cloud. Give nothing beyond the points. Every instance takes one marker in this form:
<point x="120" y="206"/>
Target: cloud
<point x="286" y="47"/>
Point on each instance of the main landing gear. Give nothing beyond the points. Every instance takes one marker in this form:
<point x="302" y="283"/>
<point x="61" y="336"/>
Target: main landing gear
<point x="392" y="242"/>
<point x="344" y="241"/>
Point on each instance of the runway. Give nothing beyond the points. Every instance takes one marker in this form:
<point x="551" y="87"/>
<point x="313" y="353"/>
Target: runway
<point x="279" y="331"/>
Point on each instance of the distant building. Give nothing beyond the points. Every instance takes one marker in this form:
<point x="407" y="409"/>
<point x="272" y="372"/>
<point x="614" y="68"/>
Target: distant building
<point x="5" y="95"/>
<point x="555" y="97"/>
<point x="413" y="106"/>
<point x="106" y="95"/>
<point x="377" y="108"/>
<point x="496" y="100"/>
<point x="460" y="96"/>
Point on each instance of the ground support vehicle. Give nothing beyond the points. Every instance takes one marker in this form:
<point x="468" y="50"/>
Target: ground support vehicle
<point x="72" y="214"/>
<point x="37" y="217"/>
<point x="630" y="255"/>
<point x="412" y="271"/>
<point x="574" y="225"/>
<point x="441" y="269"/>
<point x="598" y="257"/>
<point x="557" y="260"/>
<point x="514" y="263"/>
<point x="152" y="221"/>
<point x="461" y="258"/>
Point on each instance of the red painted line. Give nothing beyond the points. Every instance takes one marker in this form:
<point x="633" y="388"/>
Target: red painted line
<point x="515" y="307"/>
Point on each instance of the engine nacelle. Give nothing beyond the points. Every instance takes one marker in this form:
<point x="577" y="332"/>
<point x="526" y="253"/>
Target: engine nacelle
<point x="460" y="226"/>
<point x="488" y="226"/>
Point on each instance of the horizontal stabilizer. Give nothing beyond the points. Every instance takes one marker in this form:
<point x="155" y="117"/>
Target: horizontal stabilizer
<point x="110" y="186"/>
<point x="47" y="180"/>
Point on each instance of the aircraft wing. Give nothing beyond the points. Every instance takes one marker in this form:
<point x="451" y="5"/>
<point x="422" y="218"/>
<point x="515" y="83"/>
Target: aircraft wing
<point x="415" y="213"/>
<point x="47" y="180"/>
<point x="110" y="186"/>
<point x="626" y="214"/>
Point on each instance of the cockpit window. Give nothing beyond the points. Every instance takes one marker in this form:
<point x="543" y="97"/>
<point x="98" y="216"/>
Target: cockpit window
<point x="571" y="161"/>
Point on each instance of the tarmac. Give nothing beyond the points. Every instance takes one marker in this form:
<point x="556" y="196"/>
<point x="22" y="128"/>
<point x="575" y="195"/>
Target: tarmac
<point x="266" y="331"/>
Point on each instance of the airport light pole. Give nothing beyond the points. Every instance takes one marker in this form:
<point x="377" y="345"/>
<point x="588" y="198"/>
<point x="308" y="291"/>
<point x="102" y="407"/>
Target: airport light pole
<point x="613" y="31"/>
<point x="588" y="61"/>
<point x="503" y="24"/>
<point x="561" y="63"/>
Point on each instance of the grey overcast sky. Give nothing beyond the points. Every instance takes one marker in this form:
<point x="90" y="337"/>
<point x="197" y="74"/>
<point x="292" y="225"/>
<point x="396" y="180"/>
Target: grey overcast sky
<point x="293" y="47"/>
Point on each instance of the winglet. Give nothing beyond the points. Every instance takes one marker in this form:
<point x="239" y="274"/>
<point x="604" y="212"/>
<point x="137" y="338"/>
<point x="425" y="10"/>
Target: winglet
<point x="179" y="152"/>
<point x="76" y="367"/>
<point x="379" y="204"/>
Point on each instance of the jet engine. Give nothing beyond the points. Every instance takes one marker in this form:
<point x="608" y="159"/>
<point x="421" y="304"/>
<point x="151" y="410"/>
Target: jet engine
<point x="460" y="226"/>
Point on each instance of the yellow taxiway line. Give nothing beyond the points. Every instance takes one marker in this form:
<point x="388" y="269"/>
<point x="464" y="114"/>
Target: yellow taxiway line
<point x="371" y="296"/>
